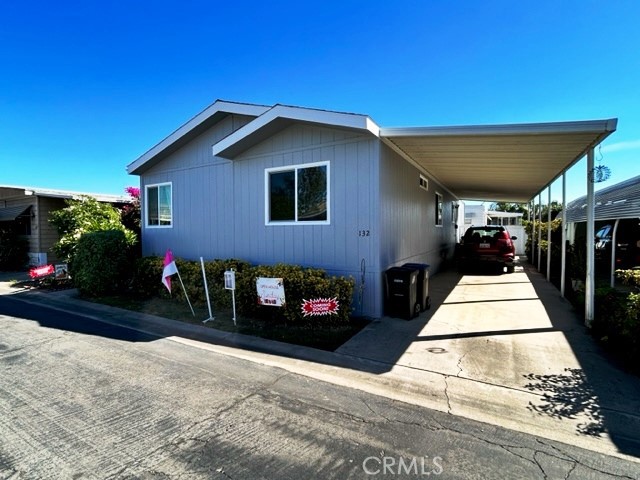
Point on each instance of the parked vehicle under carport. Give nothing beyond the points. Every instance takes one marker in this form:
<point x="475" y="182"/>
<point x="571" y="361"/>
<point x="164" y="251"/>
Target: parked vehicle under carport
<point x="488" y="245"/>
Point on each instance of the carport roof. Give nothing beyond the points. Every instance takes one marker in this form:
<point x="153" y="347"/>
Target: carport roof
<point x="510" y="163"/>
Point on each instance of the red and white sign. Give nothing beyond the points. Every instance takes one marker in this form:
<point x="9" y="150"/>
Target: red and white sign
<point x="42" y="271"/>
<point x="320" y="306"/>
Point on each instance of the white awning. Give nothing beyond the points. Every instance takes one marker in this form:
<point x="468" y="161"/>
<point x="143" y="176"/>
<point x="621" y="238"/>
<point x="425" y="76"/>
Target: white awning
<point x="509" y="163"/>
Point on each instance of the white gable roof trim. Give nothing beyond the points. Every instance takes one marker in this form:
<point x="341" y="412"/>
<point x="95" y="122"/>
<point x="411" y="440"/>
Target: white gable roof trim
<point x="281" y="116"/>
<point x="205" y="119"/>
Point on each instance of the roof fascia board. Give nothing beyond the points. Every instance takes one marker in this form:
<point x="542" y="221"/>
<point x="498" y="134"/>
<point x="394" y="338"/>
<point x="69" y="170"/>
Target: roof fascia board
<point x="608" y="125"/>
<point x="66" y="194"/>
<point x="219" y="106"/>
<point x="232" y="145"/>
<point x="611" y="126"/>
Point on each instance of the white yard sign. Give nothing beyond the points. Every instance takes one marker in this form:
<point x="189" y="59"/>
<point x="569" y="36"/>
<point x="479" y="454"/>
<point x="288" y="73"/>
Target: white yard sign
<point x="270" y="291"/>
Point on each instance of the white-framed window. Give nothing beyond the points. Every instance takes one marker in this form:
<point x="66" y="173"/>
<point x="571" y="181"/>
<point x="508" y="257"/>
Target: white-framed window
<point x="439" y="207"/>
<point x="424" y="182"/>
<point x="159" y="211"/>
<point x="297" y="194"/>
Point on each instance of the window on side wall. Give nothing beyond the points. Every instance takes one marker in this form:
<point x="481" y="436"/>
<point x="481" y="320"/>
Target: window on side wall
<point x="297" y="194"/>
<point x="159" y="212"/>
<point x="439" y="207"/>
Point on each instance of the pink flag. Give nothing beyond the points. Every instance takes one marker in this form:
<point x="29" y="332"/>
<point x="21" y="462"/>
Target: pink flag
<point x="169" y="269"/>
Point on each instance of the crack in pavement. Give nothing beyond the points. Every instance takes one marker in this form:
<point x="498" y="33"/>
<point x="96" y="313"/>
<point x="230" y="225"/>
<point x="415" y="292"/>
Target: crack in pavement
<point x="184" y="435"/>
<point x="30" y="345"/>
<point x="556" y="453"/>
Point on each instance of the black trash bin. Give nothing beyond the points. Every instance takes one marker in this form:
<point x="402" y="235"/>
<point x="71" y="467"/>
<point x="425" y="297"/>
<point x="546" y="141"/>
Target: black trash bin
<point x="401" y="292"/>
<point x="422" y="287"/>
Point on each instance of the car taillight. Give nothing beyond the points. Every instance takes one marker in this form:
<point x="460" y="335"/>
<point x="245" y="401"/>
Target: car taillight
<point x="504" y="242"/>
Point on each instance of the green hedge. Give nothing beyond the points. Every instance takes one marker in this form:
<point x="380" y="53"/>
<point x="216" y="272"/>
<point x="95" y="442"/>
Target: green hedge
<point x="616" y="322"/>
<point x="101" y="263"/>
<point x="299" y="283"/>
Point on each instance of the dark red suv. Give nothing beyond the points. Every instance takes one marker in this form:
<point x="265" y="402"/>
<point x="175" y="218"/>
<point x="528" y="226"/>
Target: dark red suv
<point x="486" y="245"/>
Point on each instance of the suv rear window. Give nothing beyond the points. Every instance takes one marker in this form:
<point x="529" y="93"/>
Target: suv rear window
<point x="474" y="234"/>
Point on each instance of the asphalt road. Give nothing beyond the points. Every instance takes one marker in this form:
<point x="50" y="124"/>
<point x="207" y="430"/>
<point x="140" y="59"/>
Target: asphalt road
<point x="80" y="399"/>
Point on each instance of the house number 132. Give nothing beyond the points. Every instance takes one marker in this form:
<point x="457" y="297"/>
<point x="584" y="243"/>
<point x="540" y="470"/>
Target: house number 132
<point x="363" y="233"/>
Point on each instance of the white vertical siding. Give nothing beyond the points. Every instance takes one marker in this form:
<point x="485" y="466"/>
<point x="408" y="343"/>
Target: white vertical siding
<point x="408" y="216"/>
<point x="379" y="215"/>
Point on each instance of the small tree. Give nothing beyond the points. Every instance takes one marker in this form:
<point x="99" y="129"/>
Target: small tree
<point x="84" y="216"/>
<point x="130" y="216"/>
<point x="130" y="213"/>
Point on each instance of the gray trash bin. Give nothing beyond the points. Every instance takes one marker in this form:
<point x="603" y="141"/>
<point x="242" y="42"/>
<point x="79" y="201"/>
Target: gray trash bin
<point x="401" y="292"/>
<point x="422" y="287"/>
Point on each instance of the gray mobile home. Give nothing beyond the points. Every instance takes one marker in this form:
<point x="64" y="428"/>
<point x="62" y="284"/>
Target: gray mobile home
<point x="270" y="184"/>
<point x="294" y="185"/>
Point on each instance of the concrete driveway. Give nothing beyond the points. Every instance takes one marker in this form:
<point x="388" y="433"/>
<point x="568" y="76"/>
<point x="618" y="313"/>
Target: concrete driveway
<point x="511" y="351"/>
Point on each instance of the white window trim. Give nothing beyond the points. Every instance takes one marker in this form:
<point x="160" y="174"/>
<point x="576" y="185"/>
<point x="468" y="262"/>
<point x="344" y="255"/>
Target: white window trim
<point x="424" y="182"/>
<point x="146" y="206"/>
<point x="289" y="168"/>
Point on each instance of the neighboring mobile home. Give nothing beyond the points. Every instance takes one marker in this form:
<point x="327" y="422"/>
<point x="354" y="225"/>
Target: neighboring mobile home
<point x="26" y="210"/>
<point x="617" y="225"/>
<point x="271" y="184"/>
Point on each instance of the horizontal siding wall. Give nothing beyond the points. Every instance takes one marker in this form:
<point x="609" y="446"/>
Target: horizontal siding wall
<point x="48" y="233"/>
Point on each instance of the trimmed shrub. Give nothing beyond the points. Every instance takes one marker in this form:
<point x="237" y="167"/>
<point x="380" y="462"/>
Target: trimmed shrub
<point x="84" y="216"/>
<point x="299" y="284"/>
<point x="101" y="263"/>
<point x="147" y="276"/>
<point x="617" y="320"/>
<point x="14" y="251"/>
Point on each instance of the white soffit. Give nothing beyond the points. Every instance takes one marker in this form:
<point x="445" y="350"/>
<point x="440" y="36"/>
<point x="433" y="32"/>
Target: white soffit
<point x="498" y="162"/>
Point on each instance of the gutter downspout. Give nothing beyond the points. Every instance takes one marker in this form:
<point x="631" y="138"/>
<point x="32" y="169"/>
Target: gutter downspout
<point x="614" y="242"/>
<point x="564" y="234"/>
<point x="589" y="290"/>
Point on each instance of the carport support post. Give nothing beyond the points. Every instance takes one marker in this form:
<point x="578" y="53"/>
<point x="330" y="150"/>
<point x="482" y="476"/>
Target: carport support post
<point x="614" y="242"/>
<point x="531" y="214"/>
<point x="539" y="231"/>
<point x="589" y="289"/>
<point x="564" y="234"/>
<point x="549" y="234"/>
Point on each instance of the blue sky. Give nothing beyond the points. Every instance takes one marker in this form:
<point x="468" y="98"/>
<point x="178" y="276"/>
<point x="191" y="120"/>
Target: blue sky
<point x="86" y="87"/>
